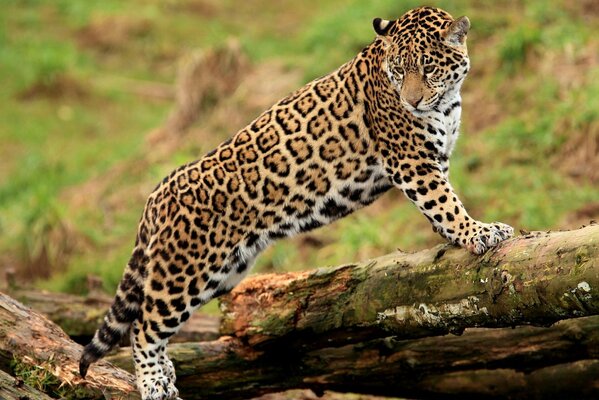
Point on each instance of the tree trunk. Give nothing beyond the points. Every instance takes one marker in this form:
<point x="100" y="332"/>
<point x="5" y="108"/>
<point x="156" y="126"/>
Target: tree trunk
<point x="526" y="362"/>
<point x="375" y="328"/>
<point x="536" y="279"/>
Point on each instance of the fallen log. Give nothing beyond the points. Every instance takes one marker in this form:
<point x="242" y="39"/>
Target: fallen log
<point x="31" y="344"/>
<point x="377" y="327"/>
<point x="527" y="362"/>
<point x="535" y="279"/>
<point x="12" y="388"/>
<point x="80" y="316"/>
<point x="494" y="362"/>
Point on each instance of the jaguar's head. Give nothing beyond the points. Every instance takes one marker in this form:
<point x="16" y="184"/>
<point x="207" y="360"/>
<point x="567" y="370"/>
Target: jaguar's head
<point x="426" y="58"/>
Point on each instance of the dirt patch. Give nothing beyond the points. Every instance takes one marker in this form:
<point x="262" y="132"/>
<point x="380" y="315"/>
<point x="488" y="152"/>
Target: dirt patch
<point x="585" y="215"/>
<point x="204" y="79"/>
<point x="107" y="33"/>
<point x="60" y="87"/>
<point x="263" y="86"/>
<point x="579" y="156"/>
<point x="569" y="67"/>
<point x="43" y="250"/>
<point x="218" y="93"/>
<point x="584" y="9"/>
<point x="481" y="110"/>
<point x="107" y="191"/>
<point x="198" y="7"/>
<point x="481" y="107"/>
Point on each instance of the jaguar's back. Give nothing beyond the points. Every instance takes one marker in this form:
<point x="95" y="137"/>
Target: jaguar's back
<point x="389" y="117"/>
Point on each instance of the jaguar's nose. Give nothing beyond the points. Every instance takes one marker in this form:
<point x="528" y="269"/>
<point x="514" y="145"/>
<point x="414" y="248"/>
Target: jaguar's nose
<point x="413" y="101"/>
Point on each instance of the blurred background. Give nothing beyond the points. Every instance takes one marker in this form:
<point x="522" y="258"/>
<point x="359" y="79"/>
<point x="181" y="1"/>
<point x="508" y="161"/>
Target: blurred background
<point x="101" y="99"/>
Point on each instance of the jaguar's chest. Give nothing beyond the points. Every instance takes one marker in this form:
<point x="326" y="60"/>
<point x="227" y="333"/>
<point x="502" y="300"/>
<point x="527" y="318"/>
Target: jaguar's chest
<point x="442" y="126"/>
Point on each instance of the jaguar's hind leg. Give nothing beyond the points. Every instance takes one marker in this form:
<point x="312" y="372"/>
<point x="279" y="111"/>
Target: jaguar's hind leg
<point x="153" y="370"/>
<point x="167" y="366"/>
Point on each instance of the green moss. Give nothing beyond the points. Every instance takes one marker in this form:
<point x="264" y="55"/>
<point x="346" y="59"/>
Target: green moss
<point x="582" y="258"/>
<point x="275" y="323"/>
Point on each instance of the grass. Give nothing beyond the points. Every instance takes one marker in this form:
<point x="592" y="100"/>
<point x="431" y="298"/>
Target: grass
<point x="40" y="378"/>
<point x="70" y="121"/>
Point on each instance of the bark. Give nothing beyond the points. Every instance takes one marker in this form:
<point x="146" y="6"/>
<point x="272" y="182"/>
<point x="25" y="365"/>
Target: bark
<point x="80" y="316"/>
<point x="15" y="389"/>
<point x="526" y="362"/>
<point x="536" y="279"/>
<point x="32" y="347"/>
<point x="375" y="327"/>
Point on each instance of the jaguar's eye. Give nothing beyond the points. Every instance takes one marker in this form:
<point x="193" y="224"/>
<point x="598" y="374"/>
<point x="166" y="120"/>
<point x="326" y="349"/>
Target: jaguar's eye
<point x="429" y="69"/>
<point x="399" y="71"/>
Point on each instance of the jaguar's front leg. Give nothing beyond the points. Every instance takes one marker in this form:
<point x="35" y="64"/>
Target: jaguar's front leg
<point x="444" y="166"/>
<point x="425" y="184"/>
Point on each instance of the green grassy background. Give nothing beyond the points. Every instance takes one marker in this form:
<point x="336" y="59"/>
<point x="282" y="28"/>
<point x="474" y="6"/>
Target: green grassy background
<point x="72" y="132"/>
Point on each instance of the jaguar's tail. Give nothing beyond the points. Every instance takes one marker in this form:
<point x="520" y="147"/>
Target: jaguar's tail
<point x="123" y="311"/>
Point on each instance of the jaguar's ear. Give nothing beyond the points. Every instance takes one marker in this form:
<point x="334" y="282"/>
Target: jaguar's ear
<point x="455" y="34"/>
<point x="381" y="26"/>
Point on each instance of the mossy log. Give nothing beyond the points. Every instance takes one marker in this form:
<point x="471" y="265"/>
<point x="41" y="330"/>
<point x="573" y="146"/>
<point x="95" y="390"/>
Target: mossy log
<point x="561" y="361"/>
<point x="535" y="279"/>
<point x="377" y="327"/>
<point x="368" y="327"/>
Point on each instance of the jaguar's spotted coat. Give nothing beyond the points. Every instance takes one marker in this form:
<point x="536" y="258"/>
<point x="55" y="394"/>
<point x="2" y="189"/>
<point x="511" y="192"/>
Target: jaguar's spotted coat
<point x="389" y="117"/>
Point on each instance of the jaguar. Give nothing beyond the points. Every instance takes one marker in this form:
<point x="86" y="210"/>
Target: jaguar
<point x="389" y="117"/>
